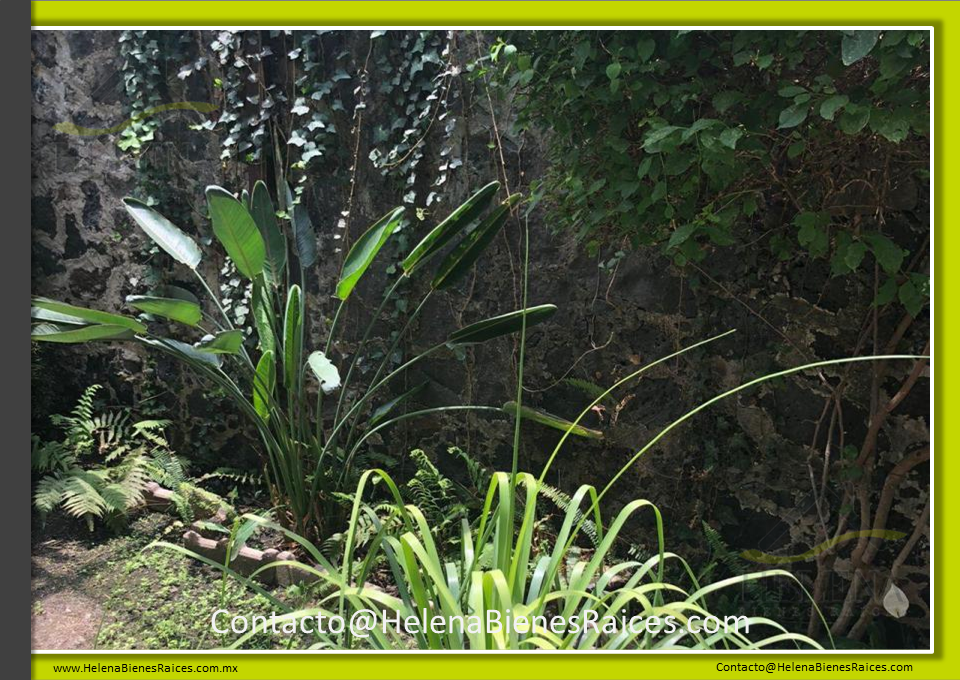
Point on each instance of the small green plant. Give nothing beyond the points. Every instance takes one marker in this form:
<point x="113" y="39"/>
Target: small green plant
<point x="312" y="416"/>
<point x="100" y="468"/>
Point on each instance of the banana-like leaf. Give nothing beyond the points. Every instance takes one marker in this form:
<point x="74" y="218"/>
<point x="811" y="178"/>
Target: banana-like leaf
<point x="469" y="250"/>
<point x="224" y="342"/>
<point x="70" y="333"/>
<point x="264" y="384"/>
<point x="292" y="322"/>
<point x="56" y="317"/>
<point x="261" y="207"/>
<point x="494" y="327"/>
<point x="262" y="317"/>
<point x="164" y="233"/>
<point x="384" y="410"/>
<point x="170" y="308"/>
<point x="188" y="352"/>
<point x="455" y="222"/>
<point x="326" y="372"/>
<point x="551" y="420"/>
<point x="171" y="291"/>
<point x="303" y="234"/>
<point x="88" y="315"/>
<point x="365" y="249"/>
<point x="235" y="229"/>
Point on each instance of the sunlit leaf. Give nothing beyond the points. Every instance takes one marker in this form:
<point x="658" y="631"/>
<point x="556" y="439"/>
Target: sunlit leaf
<point x="88" y="315"/>
<point x="365" y="249"/>
<point x="163" y="232"/>
<point x="235" y="229"/>
<point x="171" y="308"/>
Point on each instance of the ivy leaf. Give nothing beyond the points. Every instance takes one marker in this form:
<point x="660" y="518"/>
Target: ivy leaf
<point x="831" y="105"/>
<point x="698" y="126"/>
<point x="791" y="91"/>
<point x="889" y="255"/>
<point x="613" y="70"/>
<point x="813" y="234"/>
<point x="887" y="292"/>
<point x="723" y="101"/>
<point x="856" y="45"/>
<point x="645" y="48"/>
<point x="764" y="61"/>
<point x="911" y="298"/>
<point x="854" y="255"/>
<point x="683" y="233"/>
<point x="730" y="137"/>
<point x="792" y="116"/>
<point x="854" y="118"/>
<point x="654" y="137"/>
<point x="644" y="167"/>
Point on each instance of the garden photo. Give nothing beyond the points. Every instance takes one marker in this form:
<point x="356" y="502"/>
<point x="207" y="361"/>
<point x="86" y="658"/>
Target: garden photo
<point x="482" y="340"/>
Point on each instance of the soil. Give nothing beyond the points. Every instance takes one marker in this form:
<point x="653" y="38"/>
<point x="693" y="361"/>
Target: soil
<point x="68" y="601"/>
<point x="112" y="590"/>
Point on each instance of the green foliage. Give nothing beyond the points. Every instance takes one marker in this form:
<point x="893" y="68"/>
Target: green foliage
<point x="310" y="454"/>
<point x="100" y="469"/>
<point x="694" y="141"/>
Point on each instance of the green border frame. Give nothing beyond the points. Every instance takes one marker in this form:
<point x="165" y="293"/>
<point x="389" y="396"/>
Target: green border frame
<point x="942" y="16"/>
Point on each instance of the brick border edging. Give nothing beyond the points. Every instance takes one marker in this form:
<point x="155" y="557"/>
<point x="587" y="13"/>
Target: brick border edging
<point x="247" y="560"/>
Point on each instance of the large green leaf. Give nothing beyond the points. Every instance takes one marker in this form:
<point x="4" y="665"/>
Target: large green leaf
<point x="164" y="233"/>
<point x="224" y="342"/>
<point x="469" y="250"/>
<point x="303" y="234"/>
<point x="365" y="249"/>
<point x="171" y="291"/>
<point x="88" y="315"/>
<point x="70" y="333"/>
<point x="171" y="308"/>
<point x="235" y="229"/>
<point x="261" y="207"/>
<point x="185" y="351"/>
<point x="551" y="420"/>
<point x="455" y="222"/>
<point x="494" y="327"/>
<point x="264" y="383"/>
<point x="326" y="372"/>
<point x="857" y="45"/>
<point x="292" y="338"/>
<point x="56" y="317"/>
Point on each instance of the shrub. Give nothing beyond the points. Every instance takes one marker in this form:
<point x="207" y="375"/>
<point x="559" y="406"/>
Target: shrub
<point x="310" y="449"/>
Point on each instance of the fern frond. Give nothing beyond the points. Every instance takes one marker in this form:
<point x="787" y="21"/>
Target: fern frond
<point x="81" y="496"/>
<point x="48" y="494"/>
<point x="563" y="501"/>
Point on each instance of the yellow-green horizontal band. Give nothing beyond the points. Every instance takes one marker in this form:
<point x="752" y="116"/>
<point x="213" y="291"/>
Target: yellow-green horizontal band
<point x="504" y="13"/>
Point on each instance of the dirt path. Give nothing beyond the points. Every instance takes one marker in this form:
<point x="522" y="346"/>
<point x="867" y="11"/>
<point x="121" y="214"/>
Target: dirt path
<point x="70" y="582"/>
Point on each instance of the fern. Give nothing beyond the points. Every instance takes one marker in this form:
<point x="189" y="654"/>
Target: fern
<point x="562" y="501"/>
<point x="128" y="457"/>
<point x="768" y="601"/>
